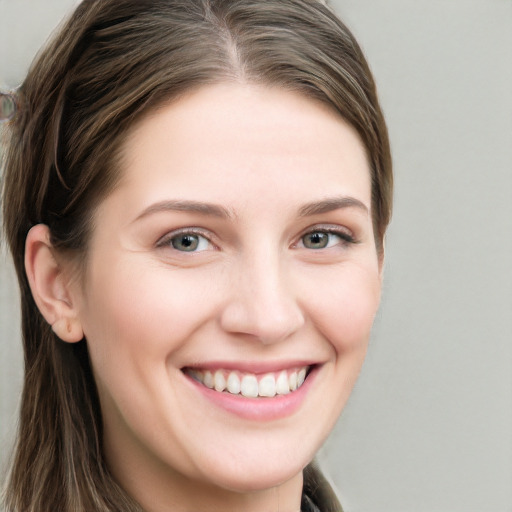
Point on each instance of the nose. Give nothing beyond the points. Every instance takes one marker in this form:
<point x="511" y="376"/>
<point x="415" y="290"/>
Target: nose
<point x="262" y="302"/>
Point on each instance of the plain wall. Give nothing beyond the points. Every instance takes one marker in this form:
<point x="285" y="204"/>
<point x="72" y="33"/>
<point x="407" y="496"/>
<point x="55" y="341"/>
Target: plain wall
<point x="429" y="425"/>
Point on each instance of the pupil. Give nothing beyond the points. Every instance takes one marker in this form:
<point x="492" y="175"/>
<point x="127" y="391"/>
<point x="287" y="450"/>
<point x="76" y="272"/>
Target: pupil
<point x="185" y="242"/>
<point x="316" y="240"/>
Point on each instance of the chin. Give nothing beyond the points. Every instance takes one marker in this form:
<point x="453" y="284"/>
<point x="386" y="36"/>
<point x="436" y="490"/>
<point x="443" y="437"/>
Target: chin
<point x="264" y="477"/>
<point x="252" y="468"/>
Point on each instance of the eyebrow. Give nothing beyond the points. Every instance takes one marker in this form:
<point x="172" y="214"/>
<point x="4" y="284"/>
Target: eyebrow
<point x="208" y="209"/>
<point x="330" y="204"/>
<point x="213" y="210"/>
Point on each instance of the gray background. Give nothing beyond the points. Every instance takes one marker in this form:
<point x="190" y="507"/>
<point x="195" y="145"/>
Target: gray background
<point x="429" y="426"/>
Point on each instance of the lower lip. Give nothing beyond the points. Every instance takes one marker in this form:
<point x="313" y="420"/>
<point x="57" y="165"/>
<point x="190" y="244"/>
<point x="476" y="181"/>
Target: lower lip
<point x="258" y="409"/>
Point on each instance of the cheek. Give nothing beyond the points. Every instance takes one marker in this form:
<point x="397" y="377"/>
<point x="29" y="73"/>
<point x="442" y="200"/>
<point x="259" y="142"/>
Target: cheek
<point x="132" y="317"/>
<point x="345" y="307"/>
<point x="136" y="323"/>
<point x="136" y="296"/>
<point x="138" y="315"/>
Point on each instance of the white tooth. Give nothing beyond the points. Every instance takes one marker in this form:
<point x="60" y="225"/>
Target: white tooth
<point x="249" y="386"/>
<point x="293" y="381"/>
<point x="233" y="383"/>
<point x="301" y="377"/>
<point x="208" y="380"/>
<point x="267" y="385"/>
<point x="219" y="381"/>
<point x="282" y="385"/>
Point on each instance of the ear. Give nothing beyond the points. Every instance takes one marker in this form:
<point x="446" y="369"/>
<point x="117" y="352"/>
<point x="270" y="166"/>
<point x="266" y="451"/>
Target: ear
<point x="49" y="285"/>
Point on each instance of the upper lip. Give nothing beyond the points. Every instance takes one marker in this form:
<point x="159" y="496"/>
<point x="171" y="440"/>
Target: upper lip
<point x="255" y="367"/>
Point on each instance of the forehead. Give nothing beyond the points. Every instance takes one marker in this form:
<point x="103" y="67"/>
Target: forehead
<point x="233" y="141"/>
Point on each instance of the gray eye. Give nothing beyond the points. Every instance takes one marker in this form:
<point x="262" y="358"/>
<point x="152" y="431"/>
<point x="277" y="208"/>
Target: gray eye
<point x="186" y="242"/>
<point x="316" y="240"/>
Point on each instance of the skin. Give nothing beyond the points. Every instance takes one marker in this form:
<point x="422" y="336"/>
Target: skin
<point x="253" y="292"/>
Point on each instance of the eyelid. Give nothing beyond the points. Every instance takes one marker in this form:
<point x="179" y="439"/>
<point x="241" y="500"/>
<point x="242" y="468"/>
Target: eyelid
<point x="165" y="240"/>
<point x="344" y="233"/>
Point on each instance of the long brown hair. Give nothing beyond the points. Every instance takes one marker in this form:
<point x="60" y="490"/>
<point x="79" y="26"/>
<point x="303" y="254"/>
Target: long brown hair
<point x="109" y="64"/>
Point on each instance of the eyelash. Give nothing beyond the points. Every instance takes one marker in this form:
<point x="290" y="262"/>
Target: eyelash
<point x="166" y="240"/>
<point x="345" y="238"/>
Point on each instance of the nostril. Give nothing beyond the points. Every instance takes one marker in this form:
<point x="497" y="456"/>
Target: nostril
<point x="268" y="323"/>
<point x="263" y="302"/>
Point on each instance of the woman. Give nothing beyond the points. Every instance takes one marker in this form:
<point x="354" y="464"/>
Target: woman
<point x="196" y="196"/>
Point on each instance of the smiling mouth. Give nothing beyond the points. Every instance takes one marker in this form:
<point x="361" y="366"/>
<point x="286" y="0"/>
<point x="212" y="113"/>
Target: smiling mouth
<point x="251" y="385"/>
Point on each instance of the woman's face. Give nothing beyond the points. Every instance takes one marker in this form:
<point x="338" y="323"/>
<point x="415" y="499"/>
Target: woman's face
<point x="237" y="251"/>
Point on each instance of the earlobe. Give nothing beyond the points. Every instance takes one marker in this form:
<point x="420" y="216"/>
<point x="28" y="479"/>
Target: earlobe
<point x="68" y="330"/>
<point x="49" y="285"/>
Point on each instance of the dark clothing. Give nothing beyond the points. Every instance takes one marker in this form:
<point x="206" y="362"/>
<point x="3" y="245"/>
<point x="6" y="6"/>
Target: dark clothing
<point x="307" y="505"/>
